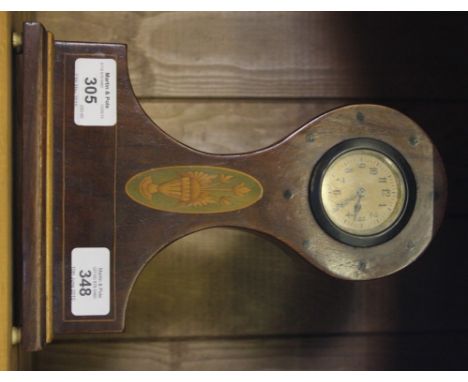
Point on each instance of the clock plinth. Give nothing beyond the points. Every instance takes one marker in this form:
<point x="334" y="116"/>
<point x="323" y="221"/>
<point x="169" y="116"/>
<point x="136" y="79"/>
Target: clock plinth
<point x="102" y="189"/>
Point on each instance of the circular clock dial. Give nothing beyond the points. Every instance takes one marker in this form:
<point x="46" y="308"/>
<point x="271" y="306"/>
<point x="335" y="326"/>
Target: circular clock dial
<point x="363" y="192"/>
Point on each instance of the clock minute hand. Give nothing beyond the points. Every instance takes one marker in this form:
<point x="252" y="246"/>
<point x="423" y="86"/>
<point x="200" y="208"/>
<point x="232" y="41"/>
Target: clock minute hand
<point x="343" y="203"/>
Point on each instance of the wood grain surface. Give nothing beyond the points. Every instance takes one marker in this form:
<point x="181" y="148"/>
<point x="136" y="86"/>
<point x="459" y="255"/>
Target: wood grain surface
<point x="11" y="357"/>
<point x="246" y="85"/>
<point x="282" y="54"/>
<point x="6" y="232"/>
<point x="222" y="282"/>
<point x="233" y="126"/>
<point x="30" y="219"/>
<point x="442" y="351"/>
<point x="109" y="218"/>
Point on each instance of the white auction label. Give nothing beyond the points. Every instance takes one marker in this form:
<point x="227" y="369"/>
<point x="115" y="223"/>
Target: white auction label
<point x="90" y="281"/>
<point x="95" y="92"/>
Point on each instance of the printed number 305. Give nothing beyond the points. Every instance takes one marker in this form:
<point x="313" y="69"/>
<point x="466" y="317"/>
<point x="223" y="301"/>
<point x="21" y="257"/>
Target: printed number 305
<point x="84" y="291"/>
<point x="90" y="89"/>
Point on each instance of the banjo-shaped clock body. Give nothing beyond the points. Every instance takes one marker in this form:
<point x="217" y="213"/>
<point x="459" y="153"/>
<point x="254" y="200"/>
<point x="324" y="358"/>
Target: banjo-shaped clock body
<point x="358" y="192"/>
<point x="362" y="192"/>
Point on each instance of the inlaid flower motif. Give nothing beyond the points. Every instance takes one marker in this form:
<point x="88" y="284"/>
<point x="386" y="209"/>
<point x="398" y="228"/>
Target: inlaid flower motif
<point x="194" y="189"/>
<point x="241" y="189"/>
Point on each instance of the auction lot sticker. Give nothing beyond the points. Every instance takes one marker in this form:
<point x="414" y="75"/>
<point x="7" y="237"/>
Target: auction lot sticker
<point x="95" y="92"/>
<point x="90" y="281"/>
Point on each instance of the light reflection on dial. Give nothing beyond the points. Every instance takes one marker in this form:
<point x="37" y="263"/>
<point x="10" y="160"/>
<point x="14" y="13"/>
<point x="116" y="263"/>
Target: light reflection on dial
<point x="363" y="192"/>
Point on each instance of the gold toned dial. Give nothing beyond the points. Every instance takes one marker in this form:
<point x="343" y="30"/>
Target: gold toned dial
<point x="363" y="192"/>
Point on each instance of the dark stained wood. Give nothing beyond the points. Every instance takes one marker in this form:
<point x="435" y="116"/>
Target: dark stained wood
<point x="92" y="167"/>
<point x="282" y="54"/>
<point x="425" y="351"/>
<point x="220" y="283"/>
<point x="87" y="157"/>
<point x="95" y="159"/>
<point x="428" y="295"/>
<point x="19" y="17"/>
<point x="231" y="126"/>
<point x="31" y="185"/>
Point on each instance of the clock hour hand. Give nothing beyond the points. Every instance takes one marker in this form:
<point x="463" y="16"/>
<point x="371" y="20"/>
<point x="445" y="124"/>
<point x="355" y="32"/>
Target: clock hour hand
<point x="357" y="206"/>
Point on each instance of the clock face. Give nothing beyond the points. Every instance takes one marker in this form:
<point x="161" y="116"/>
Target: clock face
<point x="363" y="192"/>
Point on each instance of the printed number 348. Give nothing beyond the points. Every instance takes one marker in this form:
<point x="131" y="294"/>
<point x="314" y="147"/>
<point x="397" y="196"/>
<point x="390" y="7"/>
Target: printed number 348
<point x="84" y="291"/>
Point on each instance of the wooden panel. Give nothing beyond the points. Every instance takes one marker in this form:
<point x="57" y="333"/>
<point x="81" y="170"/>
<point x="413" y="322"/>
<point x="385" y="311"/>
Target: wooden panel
<point x="282" y="54"/>
<point x="229" y="126"/>
<point x="6" y="254"/>
<point x="18" y="18"/>
<point x="10" y="357"/>
<point x="30" y="181"/>
<point x="21" y="360"/>
<point x="228" y="283"/>
<point x="193" y="288"/>
<point x="429" y="351"/>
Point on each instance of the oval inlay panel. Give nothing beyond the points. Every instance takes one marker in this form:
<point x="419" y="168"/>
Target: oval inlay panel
<point x="194" y="189"/>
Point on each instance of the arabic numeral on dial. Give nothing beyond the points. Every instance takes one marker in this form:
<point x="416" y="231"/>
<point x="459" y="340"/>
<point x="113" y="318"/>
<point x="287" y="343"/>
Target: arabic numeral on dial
<point x="386" y="192"/>
<point x="84" y="276"/>
<point x="373" y="170"/>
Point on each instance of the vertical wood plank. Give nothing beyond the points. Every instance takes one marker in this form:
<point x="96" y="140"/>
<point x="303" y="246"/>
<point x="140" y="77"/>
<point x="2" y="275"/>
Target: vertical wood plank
<point x="31" y="192"/>
<point x="6" y="259"/>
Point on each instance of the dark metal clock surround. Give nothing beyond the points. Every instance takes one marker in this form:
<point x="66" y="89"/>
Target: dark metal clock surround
<point x="316" y="199"/>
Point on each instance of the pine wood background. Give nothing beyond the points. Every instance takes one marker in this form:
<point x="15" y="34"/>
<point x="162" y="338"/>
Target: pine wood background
<point x="231" y="82"/>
